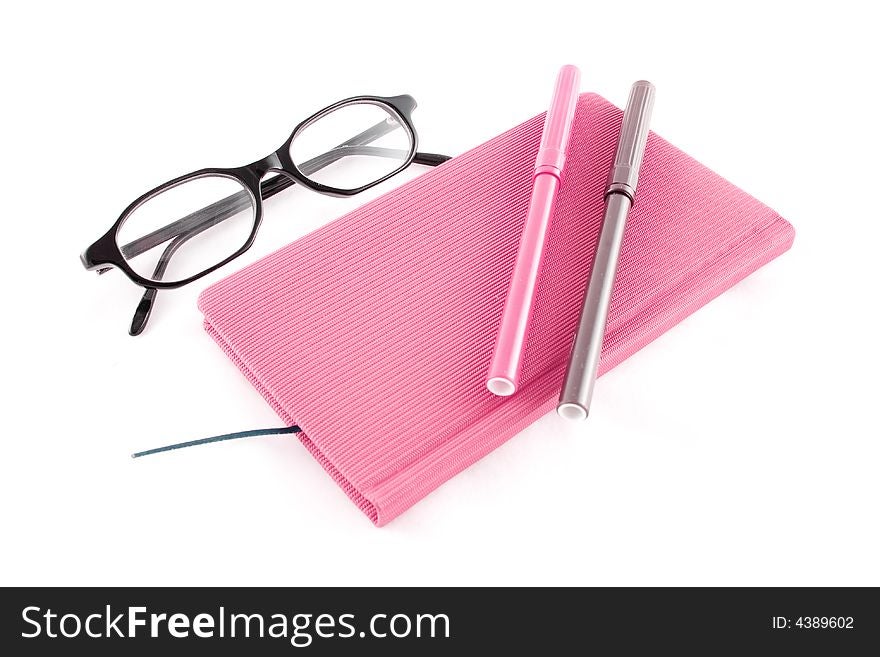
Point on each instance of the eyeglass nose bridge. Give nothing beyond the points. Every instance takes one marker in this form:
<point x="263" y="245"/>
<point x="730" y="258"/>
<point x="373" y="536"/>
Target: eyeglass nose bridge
<point x="268" y="163"/>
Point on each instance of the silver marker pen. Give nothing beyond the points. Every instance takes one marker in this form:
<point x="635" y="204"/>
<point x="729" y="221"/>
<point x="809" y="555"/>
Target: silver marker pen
<point x="580" y="377"/>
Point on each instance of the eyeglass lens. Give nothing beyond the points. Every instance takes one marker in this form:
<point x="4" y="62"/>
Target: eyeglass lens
<point x="352" y="146"/>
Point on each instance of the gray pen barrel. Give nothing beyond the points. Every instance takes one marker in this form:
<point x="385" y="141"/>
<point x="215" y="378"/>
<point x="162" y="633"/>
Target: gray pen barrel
<point x="583" y="365"/>
<point x="577" y="389"/>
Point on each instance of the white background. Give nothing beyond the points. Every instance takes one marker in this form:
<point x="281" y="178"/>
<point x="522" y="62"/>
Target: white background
<point x="740" y="448"/>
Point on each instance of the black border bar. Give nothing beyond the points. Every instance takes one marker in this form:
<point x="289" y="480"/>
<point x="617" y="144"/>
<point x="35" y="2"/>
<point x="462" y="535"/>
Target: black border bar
<point x="522" y="621"/>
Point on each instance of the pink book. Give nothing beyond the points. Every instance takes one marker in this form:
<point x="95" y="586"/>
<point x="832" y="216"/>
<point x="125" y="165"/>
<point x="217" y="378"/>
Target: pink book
<point x="374" y="333"/>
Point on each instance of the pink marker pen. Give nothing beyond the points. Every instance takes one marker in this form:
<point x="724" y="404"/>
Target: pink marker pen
<point x="503" y="376"/>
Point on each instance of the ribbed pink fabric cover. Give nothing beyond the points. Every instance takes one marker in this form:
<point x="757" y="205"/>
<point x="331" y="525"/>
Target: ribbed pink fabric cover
<point x="374" y="332"/>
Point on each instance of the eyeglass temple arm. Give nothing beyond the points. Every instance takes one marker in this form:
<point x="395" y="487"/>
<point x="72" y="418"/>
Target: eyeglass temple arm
<point x="145" y="307"/>
<point x="227" y="207"/>
<point x="430" y="159"/>
<point x="268" y="189"/>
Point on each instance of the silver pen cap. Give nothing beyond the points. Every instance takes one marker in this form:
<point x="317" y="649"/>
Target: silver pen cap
<point x="624" y="174"/>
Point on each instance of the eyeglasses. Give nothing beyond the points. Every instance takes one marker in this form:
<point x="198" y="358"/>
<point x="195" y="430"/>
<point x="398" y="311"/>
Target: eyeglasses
<point x="194" y="224"/>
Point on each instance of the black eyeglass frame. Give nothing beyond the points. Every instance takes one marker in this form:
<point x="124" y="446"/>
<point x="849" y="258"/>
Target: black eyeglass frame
<point x="106" y="252"/>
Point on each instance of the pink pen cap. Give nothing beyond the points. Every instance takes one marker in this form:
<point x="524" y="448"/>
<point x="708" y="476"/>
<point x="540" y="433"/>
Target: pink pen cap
<point x="504" y="371"/>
